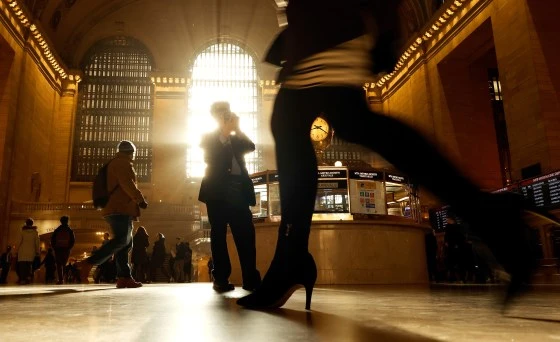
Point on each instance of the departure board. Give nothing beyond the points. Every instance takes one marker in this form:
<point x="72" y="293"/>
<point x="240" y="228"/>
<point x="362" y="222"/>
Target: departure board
<point x="438" y="218"/>
<point x="542" y="191"/>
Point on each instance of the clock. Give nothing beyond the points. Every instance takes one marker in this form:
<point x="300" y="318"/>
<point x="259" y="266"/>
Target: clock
<point x="320" y="130"/>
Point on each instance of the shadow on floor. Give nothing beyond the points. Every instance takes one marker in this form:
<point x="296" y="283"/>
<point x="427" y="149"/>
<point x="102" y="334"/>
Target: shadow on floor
<point x="328" y="327"/>
<point x="536" y="319"/>
<point x="47" y="293"/>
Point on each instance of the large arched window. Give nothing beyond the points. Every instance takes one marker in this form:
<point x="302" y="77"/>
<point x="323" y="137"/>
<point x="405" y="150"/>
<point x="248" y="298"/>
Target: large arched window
<point x="115" y="103"/>
<point x="221" y="72"/>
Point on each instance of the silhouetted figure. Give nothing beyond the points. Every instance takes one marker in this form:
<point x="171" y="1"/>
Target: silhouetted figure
<point x="326" y="57"/>
<point x="28" y="249"/>
<point x="72" y="273"/>
<point x="49" y="262"/>
<point x="188" y="263"/>
<point x="98" y="276"/>
<point x="158" y="259"/>
<point x="122" y="208"/>
<point x="455" y="244"/>
<point x="228" y="192"/>
<point x="139" y="254"/>
<point x="431" y="255"/>
<point x="62" y="241"/>
<point x="6" y="264"/>
<point x="179" y="262"/>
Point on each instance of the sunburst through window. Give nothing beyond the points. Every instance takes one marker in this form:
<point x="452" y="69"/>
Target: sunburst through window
<point x="222" y="72"/>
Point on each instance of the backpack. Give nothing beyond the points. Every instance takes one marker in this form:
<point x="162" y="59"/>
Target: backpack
<point x="62" y="238"/>
<point x="99" y="192"/>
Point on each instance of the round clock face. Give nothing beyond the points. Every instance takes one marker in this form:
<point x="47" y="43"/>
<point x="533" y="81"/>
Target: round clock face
<point x="319" y="129"/>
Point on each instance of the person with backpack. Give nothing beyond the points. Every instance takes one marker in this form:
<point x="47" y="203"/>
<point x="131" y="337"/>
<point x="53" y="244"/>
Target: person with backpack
<point x="62" y="241"/>
<point x="120" y="207"/>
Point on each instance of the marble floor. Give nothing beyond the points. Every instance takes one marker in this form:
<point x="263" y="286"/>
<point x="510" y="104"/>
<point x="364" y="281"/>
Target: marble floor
<point x="193" y="312"/>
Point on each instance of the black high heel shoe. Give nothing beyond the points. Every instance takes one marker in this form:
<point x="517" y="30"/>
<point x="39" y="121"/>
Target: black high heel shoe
<point x="283" y="278"/>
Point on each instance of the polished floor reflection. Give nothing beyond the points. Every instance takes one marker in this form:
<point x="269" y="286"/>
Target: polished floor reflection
<point x="193" y="312"/>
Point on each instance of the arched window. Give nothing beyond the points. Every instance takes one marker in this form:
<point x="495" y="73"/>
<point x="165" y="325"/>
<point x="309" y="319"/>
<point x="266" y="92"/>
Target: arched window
<point x="221" y="72"/>
<point x="115" y="103"/>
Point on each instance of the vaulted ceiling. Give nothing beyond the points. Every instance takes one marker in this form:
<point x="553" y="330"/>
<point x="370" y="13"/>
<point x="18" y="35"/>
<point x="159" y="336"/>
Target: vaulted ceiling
<point x="174" y="30"/>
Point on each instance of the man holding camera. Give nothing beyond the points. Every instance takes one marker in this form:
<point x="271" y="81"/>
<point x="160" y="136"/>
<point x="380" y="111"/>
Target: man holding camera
<point x="228" y="192"/>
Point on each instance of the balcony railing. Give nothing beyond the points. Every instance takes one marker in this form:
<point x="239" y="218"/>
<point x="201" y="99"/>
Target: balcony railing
<point x="191" y="212"/>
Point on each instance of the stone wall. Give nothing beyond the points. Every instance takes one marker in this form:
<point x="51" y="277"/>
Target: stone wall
<point x="443" y="92"/>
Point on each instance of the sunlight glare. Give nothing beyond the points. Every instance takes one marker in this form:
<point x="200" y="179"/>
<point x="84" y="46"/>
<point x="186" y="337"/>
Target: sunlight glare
<point x="222" y="72"/>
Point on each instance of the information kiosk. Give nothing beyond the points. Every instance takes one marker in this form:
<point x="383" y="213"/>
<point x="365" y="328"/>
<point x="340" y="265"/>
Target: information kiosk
<point x="343" y="194"/>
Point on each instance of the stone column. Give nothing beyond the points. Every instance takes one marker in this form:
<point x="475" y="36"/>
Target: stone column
<point x="10" y="73"/>
<point x="61" y="145"/>
<point x="169" y="139"/>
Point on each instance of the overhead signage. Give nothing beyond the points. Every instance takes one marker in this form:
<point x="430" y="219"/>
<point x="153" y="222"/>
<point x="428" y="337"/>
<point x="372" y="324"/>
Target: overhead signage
<point x="258" y="180"/>
<point x="396" y="178"/>
<point x="542" y="191"/>
<point x="371" y="175"/>
<point x="438" y="218"/>
<point x="332" y="173"/>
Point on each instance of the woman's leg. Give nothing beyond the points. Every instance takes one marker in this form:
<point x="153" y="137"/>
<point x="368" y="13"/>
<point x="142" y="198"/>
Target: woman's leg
<point x="292" y="265"/>
<point x="294" y="112"/>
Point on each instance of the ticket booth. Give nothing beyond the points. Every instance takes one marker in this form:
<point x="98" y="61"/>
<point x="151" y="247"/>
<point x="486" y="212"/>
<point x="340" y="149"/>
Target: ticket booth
<point x="342" y="194"/>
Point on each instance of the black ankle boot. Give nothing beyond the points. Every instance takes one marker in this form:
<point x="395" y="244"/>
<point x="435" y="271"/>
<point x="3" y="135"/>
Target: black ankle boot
<point x="282" y="279"/>
<point x="292" y="268"/>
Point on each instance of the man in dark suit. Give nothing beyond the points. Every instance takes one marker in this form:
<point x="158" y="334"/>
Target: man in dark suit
<point x="228" y="192"/>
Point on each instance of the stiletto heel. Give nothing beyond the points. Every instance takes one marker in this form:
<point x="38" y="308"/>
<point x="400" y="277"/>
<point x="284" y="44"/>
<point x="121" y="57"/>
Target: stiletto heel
<point x="308" y="293"/>
<point x="281" y="281"/>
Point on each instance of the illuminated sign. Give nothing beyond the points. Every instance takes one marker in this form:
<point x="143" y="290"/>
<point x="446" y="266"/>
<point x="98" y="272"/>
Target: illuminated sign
<point x="332" y="173"/>
<point x="372" y="175"/>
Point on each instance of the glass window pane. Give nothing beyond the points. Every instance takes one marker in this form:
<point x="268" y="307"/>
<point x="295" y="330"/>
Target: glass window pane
<point x="114" y="104"/>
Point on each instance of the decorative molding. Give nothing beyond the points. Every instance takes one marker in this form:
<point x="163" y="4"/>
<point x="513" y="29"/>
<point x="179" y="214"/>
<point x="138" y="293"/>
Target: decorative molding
<point x="168" y="80"/>
<point x="169" y="86"/>
<point x="32" y="35"/>
<point x="451" y="17"/>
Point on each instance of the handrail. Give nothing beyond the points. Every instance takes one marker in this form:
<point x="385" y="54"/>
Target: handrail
<point x="197" y="236"/>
